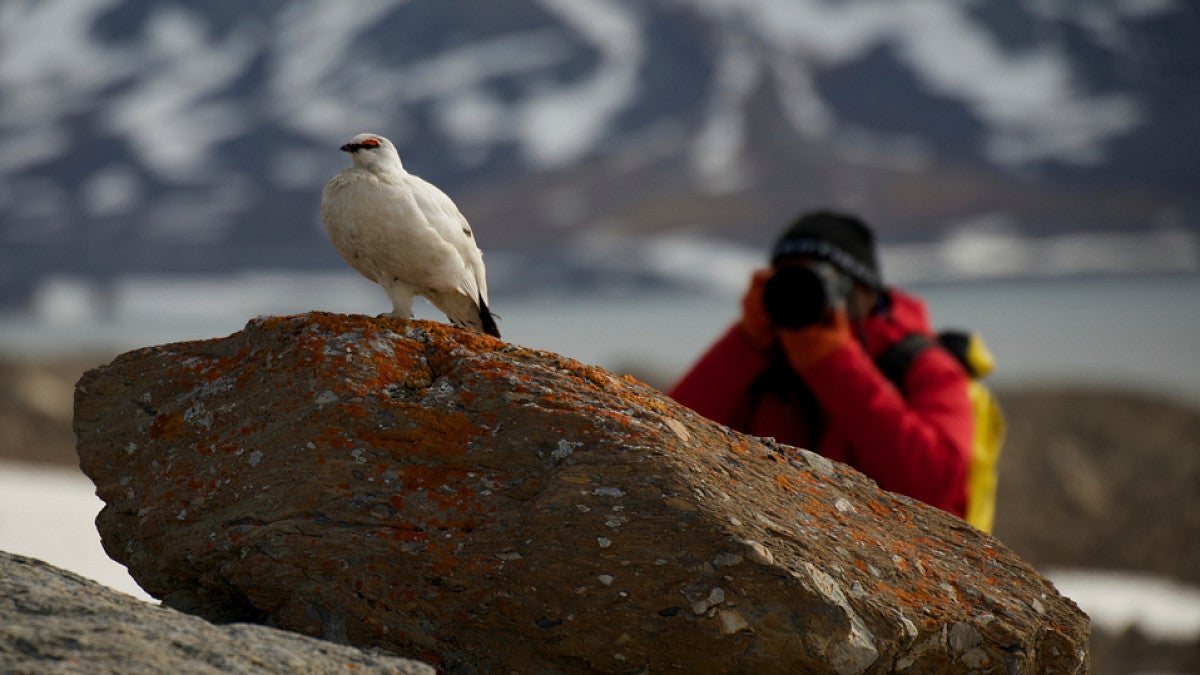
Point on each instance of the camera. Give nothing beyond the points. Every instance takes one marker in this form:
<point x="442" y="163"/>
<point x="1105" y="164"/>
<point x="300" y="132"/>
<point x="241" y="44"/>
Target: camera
<point x="801" y="295"/>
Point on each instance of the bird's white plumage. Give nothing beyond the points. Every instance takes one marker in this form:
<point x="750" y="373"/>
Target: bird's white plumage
<point x="406" y="235"/>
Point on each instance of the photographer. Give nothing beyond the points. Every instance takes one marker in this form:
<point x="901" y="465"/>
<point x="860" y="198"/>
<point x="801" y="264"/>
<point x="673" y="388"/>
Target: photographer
<point x="800" y="366"/>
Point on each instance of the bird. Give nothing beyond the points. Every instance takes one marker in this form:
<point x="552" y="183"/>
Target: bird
<point x="405" y="234"/>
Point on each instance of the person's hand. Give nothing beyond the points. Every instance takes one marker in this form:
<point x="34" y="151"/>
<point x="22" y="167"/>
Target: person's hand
<point x="808" y="346"/>
<point x="755" y="322"/>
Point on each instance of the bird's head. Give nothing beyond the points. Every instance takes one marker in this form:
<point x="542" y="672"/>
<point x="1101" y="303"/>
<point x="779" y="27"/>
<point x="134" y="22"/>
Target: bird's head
<point x="372" y="150"/>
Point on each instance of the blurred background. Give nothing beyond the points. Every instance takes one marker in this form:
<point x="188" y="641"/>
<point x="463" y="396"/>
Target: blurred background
<point x="1031" y="169"/>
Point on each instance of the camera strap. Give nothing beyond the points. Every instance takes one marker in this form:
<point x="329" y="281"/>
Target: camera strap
<point x="897" y="359"/>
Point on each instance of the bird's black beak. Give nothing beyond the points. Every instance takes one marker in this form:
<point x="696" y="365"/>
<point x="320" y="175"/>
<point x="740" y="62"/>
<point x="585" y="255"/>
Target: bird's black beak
<point x="351" y="147"/>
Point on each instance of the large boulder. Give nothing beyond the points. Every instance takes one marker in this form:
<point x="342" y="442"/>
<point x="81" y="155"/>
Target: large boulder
<point x="491" y="508"/>
<point x="54" y="621"/>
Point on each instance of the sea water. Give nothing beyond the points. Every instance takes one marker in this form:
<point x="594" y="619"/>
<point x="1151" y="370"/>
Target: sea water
<point x="1140" y="332"/>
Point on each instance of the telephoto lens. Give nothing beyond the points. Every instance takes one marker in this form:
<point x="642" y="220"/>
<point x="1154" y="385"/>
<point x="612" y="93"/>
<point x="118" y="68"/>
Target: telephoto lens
<point x="801" y="295"/>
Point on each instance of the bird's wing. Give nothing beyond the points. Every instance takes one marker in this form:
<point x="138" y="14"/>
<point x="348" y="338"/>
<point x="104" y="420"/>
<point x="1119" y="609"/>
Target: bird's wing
<point x="450" y="224"/>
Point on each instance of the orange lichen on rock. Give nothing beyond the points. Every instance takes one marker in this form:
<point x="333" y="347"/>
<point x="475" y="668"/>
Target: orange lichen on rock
<point x="428" y="432"/>
<point x="785" y="482"/>
<point x="166" y="426"/>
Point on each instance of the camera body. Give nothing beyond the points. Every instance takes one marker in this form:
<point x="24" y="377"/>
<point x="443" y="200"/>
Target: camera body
<point x="802" y="295"/>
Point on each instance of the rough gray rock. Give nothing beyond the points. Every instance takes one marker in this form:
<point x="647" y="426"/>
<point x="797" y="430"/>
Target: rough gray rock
<point x="53" y="621"/>
<point x="490" y="508"/>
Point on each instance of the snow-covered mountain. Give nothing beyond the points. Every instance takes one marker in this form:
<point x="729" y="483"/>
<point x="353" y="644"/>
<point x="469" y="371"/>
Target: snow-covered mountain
<point x="167" y="135"/>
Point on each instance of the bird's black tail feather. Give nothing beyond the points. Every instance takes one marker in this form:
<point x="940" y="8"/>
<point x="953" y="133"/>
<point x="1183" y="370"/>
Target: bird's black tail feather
<point x="485" y="317"/>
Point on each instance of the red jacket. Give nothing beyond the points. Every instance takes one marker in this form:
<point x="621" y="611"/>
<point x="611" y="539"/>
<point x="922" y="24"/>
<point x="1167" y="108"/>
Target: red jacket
<point x="917" y="443"/>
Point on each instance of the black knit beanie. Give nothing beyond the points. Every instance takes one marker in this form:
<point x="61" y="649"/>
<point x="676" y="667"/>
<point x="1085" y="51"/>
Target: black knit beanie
<point x="840" y="239"/>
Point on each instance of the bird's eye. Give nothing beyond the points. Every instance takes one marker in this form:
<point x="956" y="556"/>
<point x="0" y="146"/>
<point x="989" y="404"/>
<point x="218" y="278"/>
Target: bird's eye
<point x="370" y="143"/>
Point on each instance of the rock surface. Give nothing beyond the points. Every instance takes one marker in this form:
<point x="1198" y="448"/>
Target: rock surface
<point x="54" y="621"/>
<point x="491" y="508"/>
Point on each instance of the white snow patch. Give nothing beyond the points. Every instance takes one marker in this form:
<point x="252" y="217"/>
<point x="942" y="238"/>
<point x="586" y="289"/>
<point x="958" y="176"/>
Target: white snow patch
<point x="718" y="152"/>
<point x="986" y="246"/>
<point x="112" y="191"/>
<point x="1159" y="608"/>
<point x="49" y="514"/>
<point x="66" y="302"/>
<point x="29" y="145"/>
<point x="709" y="264"/>
<point x="173" y="117"/>
<point x="990" y="247"/>
<point x="560" y="124"/>
<point x="50" y="55"/>
<point x="460" y="69"/>
<point x="475" y="120"/>
<point x="313" y="86"/>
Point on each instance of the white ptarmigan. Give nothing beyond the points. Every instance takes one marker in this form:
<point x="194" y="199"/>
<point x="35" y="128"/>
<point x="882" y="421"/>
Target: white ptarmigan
<point x="406" y="235"/>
